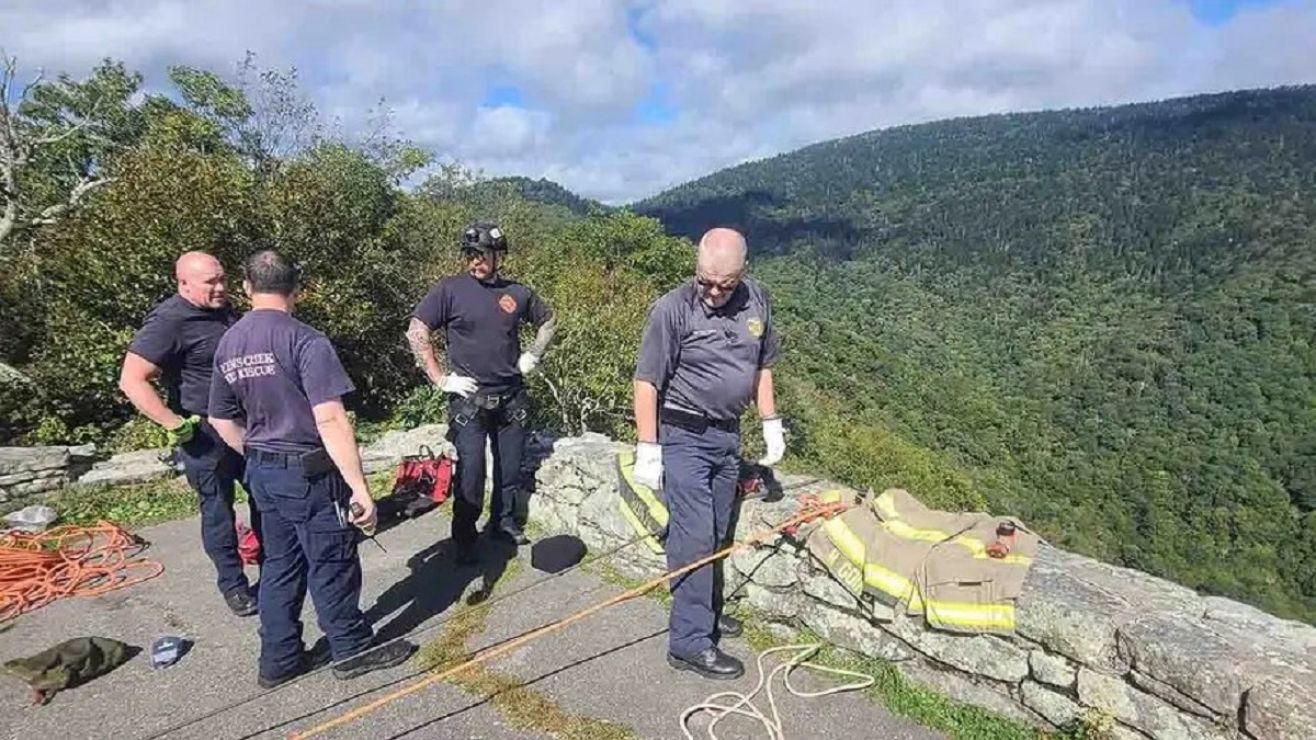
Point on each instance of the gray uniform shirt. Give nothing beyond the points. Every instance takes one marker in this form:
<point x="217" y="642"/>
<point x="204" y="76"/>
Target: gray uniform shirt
<point x="704" y="359"/>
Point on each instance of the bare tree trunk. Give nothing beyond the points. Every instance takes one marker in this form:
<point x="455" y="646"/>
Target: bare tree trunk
<point x="17" y="147"/>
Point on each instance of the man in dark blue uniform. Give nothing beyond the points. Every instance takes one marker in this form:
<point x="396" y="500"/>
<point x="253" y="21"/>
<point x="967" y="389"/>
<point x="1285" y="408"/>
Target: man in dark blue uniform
<point x="176" y="344"/>
<point x="480" y="314"/>
<point x="708" y="349"/>
<point x="276" y="396"/>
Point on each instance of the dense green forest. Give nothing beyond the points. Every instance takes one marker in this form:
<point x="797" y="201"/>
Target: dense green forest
<point x="231" y="166"/>
<point x="1101" y="320"/>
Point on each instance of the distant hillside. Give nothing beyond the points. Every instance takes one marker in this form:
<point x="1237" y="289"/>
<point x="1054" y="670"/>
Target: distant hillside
<point x="1103" y="320"/>
<point x="1002" y="188"/>
<point x="538" y="191"/>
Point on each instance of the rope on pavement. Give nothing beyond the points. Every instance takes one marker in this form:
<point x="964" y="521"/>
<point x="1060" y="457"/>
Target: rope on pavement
<point x="744" y="703"/>
<point x="809" y="512"/>
<point x="414" y="633"/>
<point x="36" y="569"/>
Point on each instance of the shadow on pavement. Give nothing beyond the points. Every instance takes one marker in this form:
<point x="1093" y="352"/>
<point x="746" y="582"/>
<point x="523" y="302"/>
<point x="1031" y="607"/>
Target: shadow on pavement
<point x="436" y="582"/>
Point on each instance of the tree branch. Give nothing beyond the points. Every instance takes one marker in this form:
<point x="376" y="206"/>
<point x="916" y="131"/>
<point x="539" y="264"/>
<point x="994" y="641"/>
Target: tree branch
<point x="85" y="186"/>
<point x="9" y="219"/>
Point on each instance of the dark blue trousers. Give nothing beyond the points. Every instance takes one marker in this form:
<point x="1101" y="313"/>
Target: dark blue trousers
<point x="469" y="426"/>
<point x="306" y="544"/>
<point x="699" y="483"/>
<point x="212" y="468"/>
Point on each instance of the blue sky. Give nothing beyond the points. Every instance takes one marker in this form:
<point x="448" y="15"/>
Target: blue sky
<point x="619" y="99"/>
<point x="1216" y="12"/>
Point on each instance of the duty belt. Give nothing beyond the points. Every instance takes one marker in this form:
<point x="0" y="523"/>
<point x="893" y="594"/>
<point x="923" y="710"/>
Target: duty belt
<point x="274" y="457"/>
<point x="696" y="423"/>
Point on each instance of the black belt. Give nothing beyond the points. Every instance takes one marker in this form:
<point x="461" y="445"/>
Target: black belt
<point x="696" y="423"/>
<point x="274" y="457"/>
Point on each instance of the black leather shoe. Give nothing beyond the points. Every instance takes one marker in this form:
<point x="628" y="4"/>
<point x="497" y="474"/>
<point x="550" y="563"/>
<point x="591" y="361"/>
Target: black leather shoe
<point x="241" y="602"/>
<point x="711" y="663"/>
<point x="374" y="659"/>
<point x="729" y="626"/>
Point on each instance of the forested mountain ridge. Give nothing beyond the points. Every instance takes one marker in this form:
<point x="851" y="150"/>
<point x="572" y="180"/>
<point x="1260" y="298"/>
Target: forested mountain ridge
<point x="1103" y="320"/>
<point x="1099" y="321"/>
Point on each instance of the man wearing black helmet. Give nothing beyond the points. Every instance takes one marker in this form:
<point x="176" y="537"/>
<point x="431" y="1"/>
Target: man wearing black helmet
<point x="479" y="313"/>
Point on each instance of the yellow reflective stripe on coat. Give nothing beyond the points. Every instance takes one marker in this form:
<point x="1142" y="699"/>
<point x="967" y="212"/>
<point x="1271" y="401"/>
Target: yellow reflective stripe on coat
<point x="979" y="616"/>
<point x="649" y="540"/>
<point x="848" y="544"/>
<point x="893" y="584"/>
<point x="886" y="506"/>
<point x="655" y="508"/>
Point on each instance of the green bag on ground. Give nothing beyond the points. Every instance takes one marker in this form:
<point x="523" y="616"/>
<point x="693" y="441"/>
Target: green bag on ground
<point x="68" y="664"/>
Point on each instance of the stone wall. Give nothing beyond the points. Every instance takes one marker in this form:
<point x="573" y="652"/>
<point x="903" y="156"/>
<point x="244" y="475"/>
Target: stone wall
<point x="28" y="472"/>
<point x="1095" y="642"/>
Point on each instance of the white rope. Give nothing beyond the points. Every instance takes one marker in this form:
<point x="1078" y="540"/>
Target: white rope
<point x="744" y="705"/>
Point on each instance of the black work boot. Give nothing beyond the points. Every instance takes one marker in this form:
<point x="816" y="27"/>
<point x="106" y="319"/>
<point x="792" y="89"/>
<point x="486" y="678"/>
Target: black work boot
<point x="241" y="602"/>
<point x="465" y="553"/>
<point x="510" y="533"/>
<point x="309" y="660"/>
<point x="711" y="663"/>
<point x="374" y="659"/>
<point x="729" y="626"/>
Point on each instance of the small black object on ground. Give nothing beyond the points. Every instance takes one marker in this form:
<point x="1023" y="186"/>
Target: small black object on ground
<point x="557" y="553"/>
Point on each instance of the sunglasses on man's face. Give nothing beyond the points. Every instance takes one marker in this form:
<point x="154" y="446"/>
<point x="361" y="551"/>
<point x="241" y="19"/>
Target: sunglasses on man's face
<point x="725" y="286"/>
<point x="474" y="254"/>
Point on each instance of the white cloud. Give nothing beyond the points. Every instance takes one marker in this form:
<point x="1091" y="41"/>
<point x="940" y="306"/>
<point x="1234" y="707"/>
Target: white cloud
<point x="506" y="131"/>
<point x="748" y="78"/>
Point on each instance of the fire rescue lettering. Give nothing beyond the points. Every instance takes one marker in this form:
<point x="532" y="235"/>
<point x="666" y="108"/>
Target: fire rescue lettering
<point x="249" y="366"/>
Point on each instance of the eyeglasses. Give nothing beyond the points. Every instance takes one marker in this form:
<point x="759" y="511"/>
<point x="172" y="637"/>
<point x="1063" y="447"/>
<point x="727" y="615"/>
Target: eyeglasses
<point x="473" y="254"/>
<point x="725" y="286"/>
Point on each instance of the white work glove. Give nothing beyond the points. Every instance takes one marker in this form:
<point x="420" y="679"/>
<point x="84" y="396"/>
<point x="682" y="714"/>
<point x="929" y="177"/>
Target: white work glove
<point x="527" y="363"/>
<point x="774" y="439"/>
<point x="459" y="384"/>
<point x="649" y="465"/>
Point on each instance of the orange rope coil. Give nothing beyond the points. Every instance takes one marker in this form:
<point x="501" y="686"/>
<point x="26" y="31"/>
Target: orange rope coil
<point x="36" y="569"/>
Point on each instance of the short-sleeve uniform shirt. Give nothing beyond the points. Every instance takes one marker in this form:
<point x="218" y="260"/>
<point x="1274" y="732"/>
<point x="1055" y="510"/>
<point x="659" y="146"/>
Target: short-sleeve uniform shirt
<point x="705" y="359"/>
<point x="480" y="322"/>
<point x="272" y="370"/>
<point x="180" y="339"/>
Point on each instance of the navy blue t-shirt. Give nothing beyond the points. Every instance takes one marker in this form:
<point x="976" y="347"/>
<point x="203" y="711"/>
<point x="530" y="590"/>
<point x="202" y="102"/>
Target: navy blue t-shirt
<point x="480" y="324"/>
<point x="180" y="339"/>
<point x="272" y="370"/>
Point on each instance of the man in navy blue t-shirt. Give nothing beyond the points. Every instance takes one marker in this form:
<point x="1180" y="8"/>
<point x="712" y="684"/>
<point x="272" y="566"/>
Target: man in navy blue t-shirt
<point x="480" y="314"/>
<point x="276" y="395"/>
<point x="176" y="344"/>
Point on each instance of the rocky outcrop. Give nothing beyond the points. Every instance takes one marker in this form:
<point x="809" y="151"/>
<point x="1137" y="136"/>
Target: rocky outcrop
<point x="1094" y="642"/>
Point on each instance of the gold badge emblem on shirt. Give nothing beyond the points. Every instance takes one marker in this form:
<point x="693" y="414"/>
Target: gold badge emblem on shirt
<point x="755" y="327"/>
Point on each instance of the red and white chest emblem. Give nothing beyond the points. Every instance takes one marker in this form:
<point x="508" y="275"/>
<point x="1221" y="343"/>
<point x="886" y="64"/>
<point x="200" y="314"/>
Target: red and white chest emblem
<point x="507" y="303"/>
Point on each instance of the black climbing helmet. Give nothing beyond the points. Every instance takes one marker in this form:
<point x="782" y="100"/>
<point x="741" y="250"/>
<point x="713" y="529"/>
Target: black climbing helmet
<point x="484" y="236"/>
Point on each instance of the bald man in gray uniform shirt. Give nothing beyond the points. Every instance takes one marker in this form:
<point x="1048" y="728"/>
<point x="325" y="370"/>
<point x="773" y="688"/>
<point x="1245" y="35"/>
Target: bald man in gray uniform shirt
<point x="707" y="353"/>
